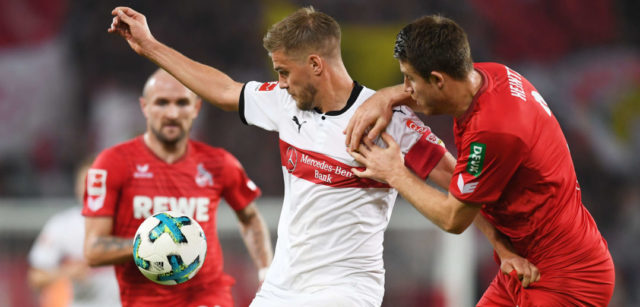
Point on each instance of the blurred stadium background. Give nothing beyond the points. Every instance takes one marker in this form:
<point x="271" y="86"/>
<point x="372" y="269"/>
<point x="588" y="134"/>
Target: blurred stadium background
<point x="69" y="90"/>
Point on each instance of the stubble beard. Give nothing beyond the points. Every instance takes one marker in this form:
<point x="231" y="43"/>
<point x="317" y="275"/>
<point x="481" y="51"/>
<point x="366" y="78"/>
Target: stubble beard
<point x="166" y="141"/>
<point x="307" y="97"/>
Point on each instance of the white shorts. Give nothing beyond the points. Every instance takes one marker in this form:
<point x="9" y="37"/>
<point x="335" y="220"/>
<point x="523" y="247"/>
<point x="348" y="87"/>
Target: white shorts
<point x="328" y="297"/>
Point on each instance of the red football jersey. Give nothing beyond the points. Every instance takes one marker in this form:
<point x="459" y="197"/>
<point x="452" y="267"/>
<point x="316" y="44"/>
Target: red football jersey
<point x="514" y="160"/>
<point x="130" y="183"/>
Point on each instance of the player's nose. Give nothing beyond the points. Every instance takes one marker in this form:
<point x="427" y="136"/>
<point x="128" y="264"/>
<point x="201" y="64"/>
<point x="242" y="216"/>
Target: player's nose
<point x="172" y="111"/>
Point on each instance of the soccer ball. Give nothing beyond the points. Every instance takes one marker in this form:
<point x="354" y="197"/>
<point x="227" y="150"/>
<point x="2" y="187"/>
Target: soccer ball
<point x="169" y="248"/>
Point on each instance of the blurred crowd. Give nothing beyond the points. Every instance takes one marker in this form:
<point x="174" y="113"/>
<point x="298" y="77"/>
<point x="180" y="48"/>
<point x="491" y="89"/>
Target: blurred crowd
<point x="69" y="90"/>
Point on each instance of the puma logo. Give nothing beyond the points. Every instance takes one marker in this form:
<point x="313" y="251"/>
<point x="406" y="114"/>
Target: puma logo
<point x="295" y="120"/>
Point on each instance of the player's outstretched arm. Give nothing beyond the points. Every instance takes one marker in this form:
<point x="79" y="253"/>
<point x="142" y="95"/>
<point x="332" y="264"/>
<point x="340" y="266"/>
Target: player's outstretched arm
<point x="510" y="260"/>
<point x="256" y="237"/>
<point x="206" y="81"/>
<point x="387" y="165"/>
<point x="374" y="115"/>
<point x="100" y="247"/>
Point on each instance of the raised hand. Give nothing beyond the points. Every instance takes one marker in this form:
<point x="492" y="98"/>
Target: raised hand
<point x="372" y="117"/>
<point x="132" y="26"/>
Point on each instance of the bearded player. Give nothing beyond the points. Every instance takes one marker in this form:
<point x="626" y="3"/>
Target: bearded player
<point x="161" y="170"/>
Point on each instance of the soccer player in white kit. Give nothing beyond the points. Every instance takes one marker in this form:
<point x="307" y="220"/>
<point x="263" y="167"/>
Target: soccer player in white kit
<point x="330" y="233"/>
<point x="58" y="253"/>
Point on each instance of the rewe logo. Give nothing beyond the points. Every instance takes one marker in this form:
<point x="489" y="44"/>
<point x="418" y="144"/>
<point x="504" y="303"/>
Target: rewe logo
<point x="466" y="188"/>
<point x="142" y="171"/>
<point x="194" y="207"/>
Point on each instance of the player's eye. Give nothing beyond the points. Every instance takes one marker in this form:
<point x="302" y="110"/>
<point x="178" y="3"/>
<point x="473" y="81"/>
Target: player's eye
<point x="183" y="102"/>
<point x="161" y="102"/>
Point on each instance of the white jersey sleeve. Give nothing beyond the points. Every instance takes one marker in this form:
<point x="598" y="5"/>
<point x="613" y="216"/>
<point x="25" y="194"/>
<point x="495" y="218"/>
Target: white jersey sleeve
<point x="48" y="251"/>
<point x="421" y="147"/>
<point x="263" y="104"/>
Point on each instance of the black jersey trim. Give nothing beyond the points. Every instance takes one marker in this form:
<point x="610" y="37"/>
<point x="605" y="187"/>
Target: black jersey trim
<point x="241" y="106"/>
<point x="355" y="92"/>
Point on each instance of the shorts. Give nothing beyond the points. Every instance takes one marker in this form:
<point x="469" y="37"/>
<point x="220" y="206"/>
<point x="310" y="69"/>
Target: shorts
<point x="330" y="296"/>
<point x="587" y="287"/>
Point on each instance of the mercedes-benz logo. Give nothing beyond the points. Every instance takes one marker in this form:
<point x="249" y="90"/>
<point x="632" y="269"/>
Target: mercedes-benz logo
<point x="292" y="159"/>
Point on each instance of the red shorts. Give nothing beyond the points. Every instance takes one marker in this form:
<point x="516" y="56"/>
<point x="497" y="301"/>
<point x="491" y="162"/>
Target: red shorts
<point x="588" y="287"/>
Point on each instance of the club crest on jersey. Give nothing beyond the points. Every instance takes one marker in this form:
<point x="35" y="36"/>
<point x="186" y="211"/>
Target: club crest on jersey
<point x="203" y="177"/>
<point x="96" y="188"/>
<point x="476" y="158"/>
<point x="268" y="86"/>
<point x="417" y="127"/>
<point x="142" y="171"/>
<point x="292" y="159"/>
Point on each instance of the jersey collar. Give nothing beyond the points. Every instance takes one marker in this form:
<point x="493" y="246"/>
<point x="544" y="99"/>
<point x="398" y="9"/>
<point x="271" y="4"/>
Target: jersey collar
<point x="355" y="92"/>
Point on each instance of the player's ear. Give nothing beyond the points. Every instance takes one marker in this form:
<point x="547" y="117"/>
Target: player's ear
<point x="316" y="63"/>
<point x="437" y="78"/>
<point x="143" y="103"/>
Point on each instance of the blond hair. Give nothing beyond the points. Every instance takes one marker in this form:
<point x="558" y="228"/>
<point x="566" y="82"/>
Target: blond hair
<point x="304" y="32"/>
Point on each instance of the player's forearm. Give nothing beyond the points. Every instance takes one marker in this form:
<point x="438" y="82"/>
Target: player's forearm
<point x="498" y="240"/>
<point x="207" y="82"/>
<point x="395" y="95"/>
<point x="258" y="240"/>
<point x="105" y="250"/>
<point x="432" y="203"/>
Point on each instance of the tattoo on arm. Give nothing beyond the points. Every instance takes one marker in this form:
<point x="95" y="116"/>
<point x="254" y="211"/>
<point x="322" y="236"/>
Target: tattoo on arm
<point x="108" y="244"/>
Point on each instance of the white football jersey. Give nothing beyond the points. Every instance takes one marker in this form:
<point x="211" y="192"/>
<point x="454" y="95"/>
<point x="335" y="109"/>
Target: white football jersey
<point x="62" y="239"/>
<point x="332" y="223"/>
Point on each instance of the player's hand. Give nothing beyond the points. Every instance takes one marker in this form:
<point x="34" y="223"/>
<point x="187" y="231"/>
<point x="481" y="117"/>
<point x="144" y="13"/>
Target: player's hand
<point x="526" y="271"/>
<point x="75" y="270"/>
<point x="372" y="116"/>
<point x="132" y="26"/>
<point x="380" y="163"/>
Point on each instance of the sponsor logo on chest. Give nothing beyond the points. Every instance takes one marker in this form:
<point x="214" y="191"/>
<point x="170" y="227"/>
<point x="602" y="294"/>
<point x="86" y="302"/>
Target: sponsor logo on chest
<point x="194" y="207"/>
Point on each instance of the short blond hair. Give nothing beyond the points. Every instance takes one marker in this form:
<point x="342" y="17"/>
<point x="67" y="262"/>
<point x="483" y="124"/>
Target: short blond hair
<point x="304" y="32"/>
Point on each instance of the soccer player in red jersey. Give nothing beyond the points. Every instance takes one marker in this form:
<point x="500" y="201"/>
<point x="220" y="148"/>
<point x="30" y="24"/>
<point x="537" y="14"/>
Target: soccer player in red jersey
<point x="514" y="167"/>
<point x="161" y="170"/>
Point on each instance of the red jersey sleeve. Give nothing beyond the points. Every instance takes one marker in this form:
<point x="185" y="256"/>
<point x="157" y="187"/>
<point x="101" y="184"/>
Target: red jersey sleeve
<point x="486" y="162"/>
<point x="239" y="190"/>
<point x="425" y="154"/>
<point x="104" y="180"/>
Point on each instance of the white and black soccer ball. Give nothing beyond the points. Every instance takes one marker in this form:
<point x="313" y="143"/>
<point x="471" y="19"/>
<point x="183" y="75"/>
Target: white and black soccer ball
<point x="169" y="248"/>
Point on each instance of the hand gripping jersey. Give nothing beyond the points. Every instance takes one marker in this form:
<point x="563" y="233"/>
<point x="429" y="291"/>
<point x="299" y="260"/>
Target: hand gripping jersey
<point x="514" y="159"/>
<point x="331" y="226"/>
<point x="129" y="183"/>
<point x="61" y="240"/>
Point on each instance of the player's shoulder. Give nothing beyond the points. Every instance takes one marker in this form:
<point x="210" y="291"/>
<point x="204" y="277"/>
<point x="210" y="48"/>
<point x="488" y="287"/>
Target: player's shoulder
<point x="124" y="149"/>
<point x="211" y="153"/>
<point x="65" y="218"/>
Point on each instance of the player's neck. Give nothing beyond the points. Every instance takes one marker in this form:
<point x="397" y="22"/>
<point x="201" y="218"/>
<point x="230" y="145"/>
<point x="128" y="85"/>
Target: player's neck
<point x="169" y="153"/>
<point x="466" y="91"/>
<point x="335" y="91"/>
